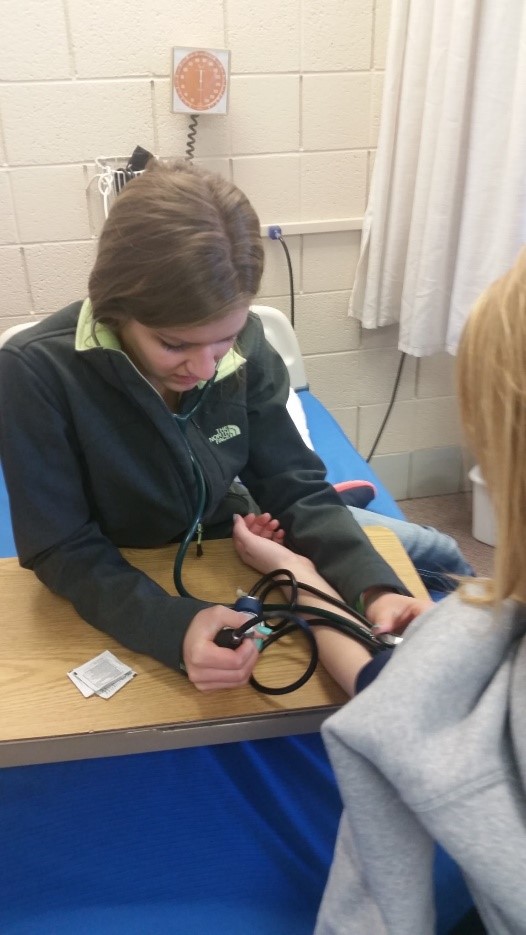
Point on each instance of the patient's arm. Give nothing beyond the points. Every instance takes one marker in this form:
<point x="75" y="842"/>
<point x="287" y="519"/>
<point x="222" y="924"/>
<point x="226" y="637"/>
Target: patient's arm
<point x="256" y="545"/>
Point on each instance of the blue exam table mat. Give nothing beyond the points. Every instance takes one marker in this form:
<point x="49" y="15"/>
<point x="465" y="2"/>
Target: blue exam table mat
<point x="234" y="839"/>
<point x="340" y="457"/>
<point x="7" y="543"/>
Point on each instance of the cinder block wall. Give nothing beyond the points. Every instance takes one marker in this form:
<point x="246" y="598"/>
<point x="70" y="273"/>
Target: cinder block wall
<point x="84" y="78"/>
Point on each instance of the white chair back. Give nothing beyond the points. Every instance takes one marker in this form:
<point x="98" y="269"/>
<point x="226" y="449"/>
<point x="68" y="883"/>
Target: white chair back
<point x="14" y="330"/>
<point x="280" y="333"/>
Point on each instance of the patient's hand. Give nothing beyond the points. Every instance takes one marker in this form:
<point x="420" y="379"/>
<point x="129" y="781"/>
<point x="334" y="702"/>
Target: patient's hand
<point x="392" y="613"/>
<point x="258" y="543"/>
<point x="265" y="526"/>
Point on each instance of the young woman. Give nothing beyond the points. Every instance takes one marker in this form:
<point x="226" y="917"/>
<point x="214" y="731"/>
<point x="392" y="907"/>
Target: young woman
<point x="126" y="417"/>
<point x="435" y="749"/>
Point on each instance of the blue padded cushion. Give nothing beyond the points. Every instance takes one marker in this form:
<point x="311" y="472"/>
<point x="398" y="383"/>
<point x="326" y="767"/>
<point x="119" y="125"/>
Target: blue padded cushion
<point x="7" y="543"/>
<point x="224" y="840"/>
<point x="341" y="459"/>
<point x="233" y="839"/>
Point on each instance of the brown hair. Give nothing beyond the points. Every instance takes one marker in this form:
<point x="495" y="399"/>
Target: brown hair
<point x="180" y="246"/>
<point x="491" y="378"/>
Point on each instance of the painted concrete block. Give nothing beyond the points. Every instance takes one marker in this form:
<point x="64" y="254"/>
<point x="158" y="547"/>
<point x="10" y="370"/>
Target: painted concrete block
<point x="435" y="471"/>
<point x="333" y="185"/>
<point x="75" y="121"/>
<point x="8" y="230"/>
<point x="393" y="471"/>
<point x="15" y="298"/>
<point x="275" y="281"/>
<point x="398" y="433"/>
<point x="58" y="273"/>
<point x="378" y="370"/>
<point x="50" y="203"/>
<point x="437" y="423"/>
<point x="323" y="325"/>
<point x="34" y="41"/>
<point x="336" y="36"/>
<point x="264" y="35"/>
<point x="334" y="378"/>
<point x="127" y="39"/>
<point x="272" y="184"/>
<point x="336" y="111"/>
<point x="264" y="113"/>
<point x="329" y="261"/>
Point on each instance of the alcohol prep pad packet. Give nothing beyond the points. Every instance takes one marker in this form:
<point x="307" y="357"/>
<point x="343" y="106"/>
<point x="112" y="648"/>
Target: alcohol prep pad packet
<point x="102" y="675"/>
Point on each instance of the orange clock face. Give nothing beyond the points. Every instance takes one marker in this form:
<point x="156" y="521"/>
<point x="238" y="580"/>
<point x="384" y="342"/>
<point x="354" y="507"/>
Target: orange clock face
<point x="200" y="80"/>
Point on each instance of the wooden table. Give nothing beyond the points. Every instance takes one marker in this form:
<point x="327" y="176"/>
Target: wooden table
<point x="44" y="718"/>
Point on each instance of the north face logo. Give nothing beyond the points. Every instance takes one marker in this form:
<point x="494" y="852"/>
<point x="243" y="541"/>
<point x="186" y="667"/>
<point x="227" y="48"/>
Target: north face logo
<point x="224" y="433"/>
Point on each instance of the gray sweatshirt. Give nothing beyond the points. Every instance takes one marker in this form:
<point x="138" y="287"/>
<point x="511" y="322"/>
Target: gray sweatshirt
<point x="433" y="750"/>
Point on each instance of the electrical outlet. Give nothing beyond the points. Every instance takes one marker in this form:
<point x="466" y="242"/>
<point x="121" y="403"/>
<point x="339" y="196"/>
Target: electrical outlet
<point x="200" y="80"/>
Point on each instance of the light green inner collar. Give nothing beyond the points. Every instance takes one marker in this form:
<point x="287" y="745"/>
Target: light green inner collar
<point x="87" y="338"/>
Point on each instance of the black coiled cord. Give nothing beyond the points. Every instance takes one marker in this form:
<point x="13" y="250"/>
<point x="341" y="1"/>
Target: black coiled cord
<point x="192" y="133"/>
<point x="289" y="619"/>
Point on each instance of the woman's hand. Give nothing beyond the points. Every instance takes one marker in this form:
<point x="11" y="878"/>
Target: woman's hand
<point x="258" y="542"/>
<point x="212" y="667"/>
<point x="390" y="612"/>
<point x="263" y="525"/>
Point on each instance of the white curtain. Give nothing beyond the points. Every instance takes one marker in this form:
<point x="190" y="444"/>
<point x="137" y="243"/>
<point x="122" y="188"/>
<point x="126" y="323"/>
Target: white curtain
<point x="447" y="208"/>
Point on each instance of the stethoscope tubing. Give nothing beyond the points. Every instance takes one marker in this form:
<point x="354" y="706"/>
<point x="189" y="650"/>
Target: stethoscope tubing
<point x="200" y="504"/>
<point x="359" y="628"/>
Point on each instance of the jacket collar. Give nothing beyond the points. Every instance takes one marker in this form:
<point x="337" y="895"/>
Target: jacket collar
<point x="100" y="337"/>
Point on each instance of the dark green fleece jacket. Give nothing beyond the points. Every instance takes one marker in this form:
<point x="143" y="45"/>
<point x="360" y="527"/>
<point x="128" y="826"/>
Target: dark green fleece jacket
<point x="95" y="461"/>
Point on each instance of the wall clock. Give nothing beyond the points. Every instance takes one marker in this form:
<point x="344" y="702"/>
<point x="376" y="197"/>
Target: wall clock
<point x="200" y="81"/>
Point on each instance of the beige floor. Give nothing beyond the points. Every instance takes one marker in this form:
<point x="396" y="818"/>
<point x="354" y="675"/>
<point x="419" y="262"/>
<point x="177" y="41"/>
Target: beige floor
<point x="451" y="513"/>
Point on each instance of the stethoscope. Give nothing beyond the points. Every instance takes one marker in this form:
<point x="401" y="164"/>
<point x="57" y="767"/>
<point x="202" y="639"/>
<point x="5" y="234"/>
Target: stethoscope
<point x="271" y="621"/>
<point x="200" y="503"/>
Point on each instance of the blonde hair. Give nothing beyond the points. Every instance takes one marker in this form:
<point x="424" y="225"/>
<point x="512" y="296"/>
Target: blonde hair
<point x="491" y="380"/>
<point x="181" y="246"/>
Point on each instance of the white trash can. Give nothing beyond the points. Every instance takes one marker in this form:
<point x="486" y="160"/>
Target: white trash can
<point x="483" y="526"/>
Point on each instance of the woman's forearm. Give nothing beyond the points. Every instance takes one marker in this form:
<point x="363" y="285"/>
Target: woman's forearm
<point x="341" y="655"/>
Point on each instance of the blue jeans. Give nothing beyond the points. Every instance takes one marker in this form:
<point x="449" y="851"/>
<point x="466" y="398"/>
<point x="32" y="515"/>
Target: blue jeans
<point x="434" y="554"/>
